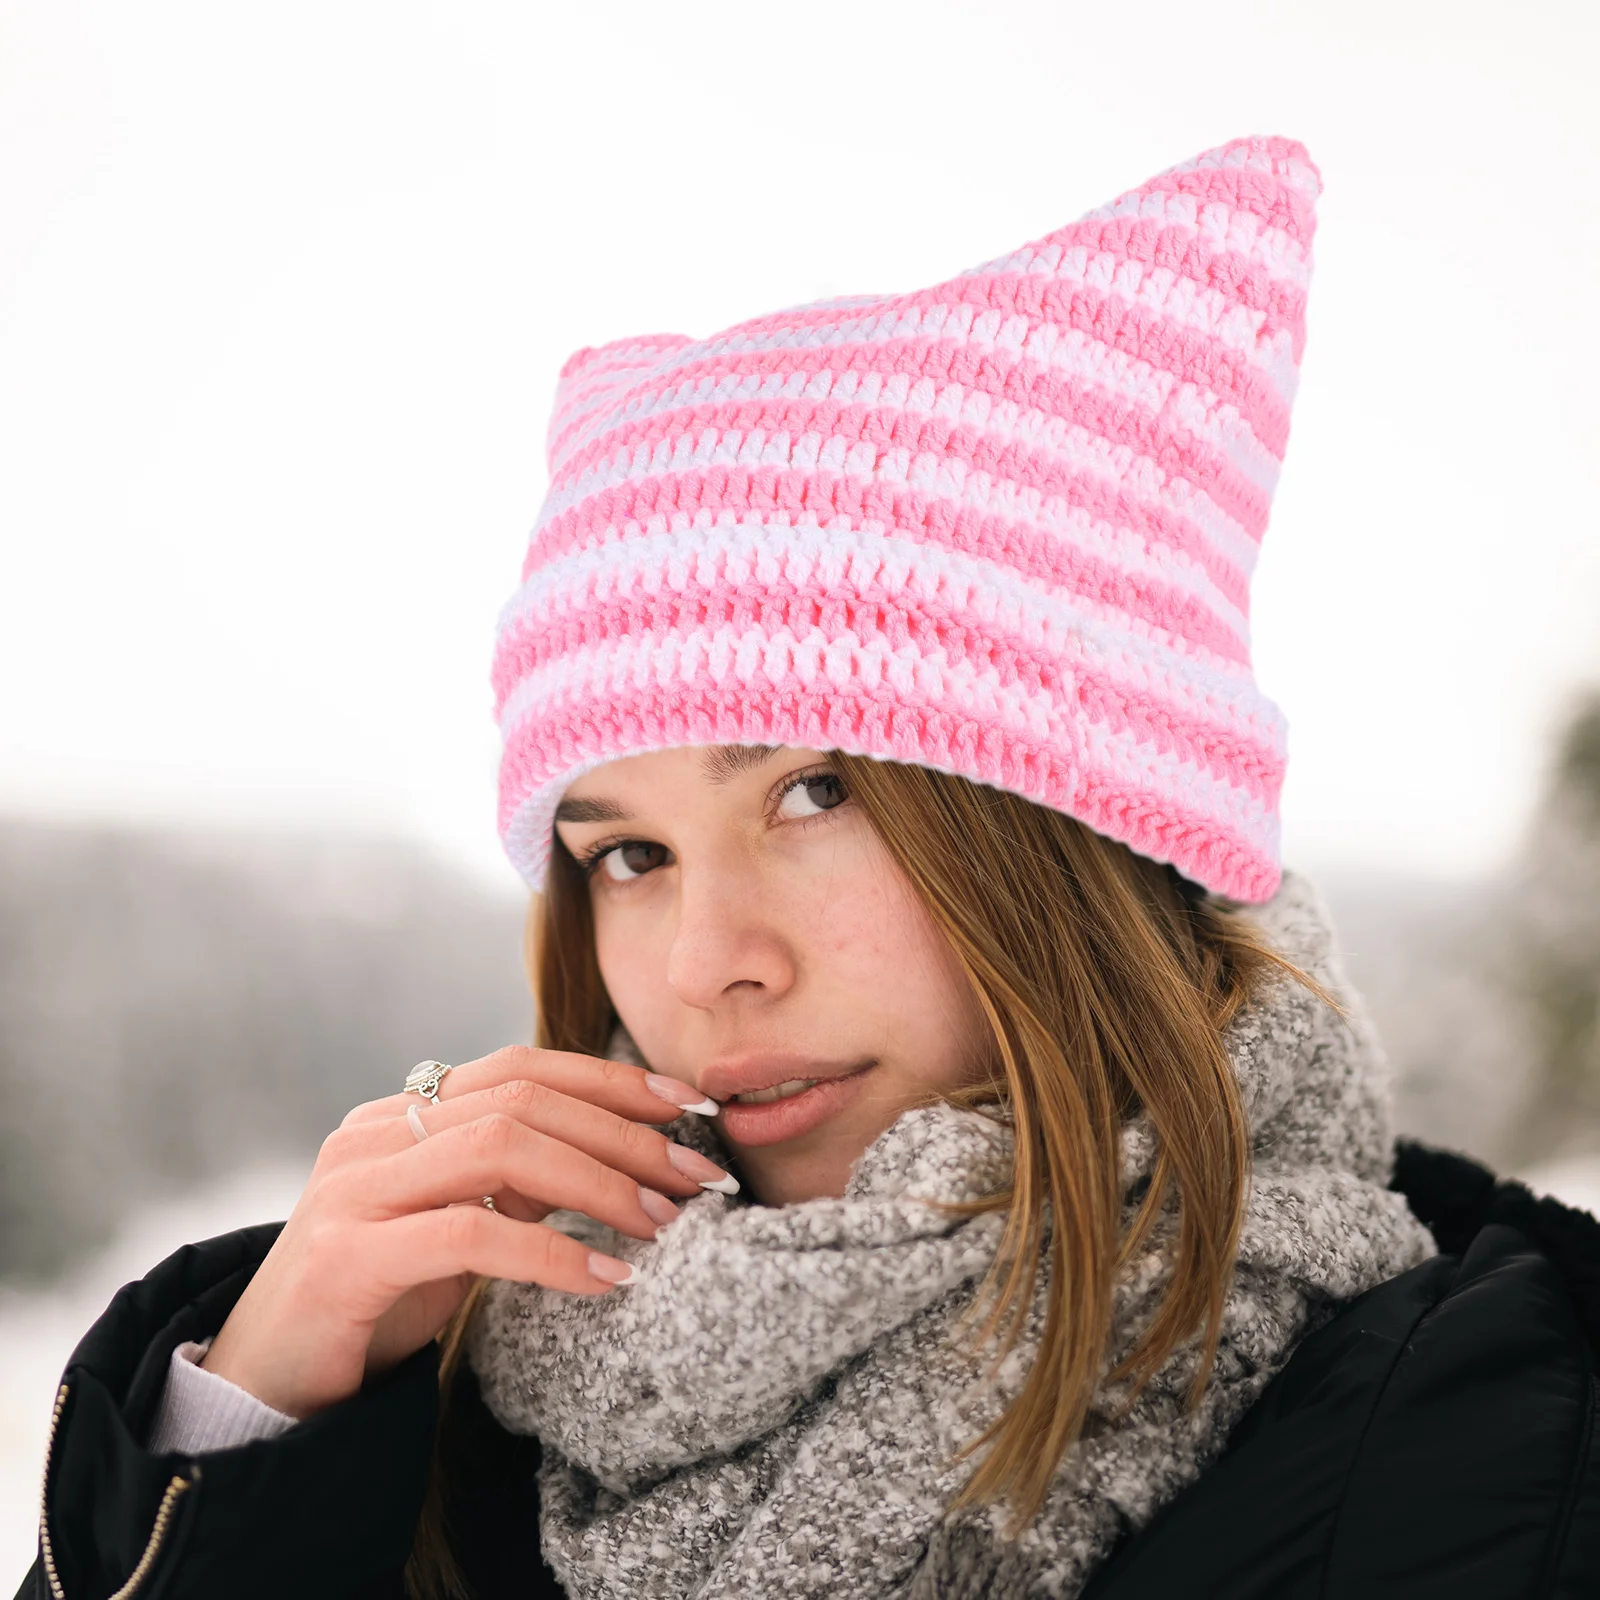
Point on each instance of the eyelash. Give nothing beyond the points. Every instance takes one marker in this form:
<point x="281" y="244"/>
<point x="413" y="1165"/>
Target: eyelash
<point x="589" y="861"/>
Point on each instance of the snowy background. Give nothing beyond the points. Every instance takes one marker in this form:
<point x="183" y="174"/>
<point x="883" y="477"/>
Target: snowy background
<point x="282" y="301"/>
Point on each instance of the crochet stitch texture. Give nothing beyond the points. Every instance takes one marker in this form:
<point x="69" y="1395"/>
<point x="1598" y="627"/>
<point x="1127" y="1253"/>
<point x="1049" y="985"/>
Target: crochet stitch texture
<point x="1004" y="527"/>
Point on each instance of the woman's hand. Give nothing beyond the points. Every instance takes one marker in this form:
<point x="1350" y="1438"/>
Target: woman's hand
<point x="390" y="1232"/>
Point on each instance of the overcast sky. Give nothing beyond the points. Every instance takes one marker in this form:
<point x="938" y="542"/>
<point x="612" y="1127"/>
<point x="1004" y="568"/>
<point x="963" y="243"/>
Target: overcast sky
<point x="285" y="288"/>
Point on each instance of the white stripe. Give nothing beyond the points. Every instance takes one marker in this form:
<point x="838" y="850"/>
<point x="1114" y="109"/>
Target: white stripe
<point x="1067" y="353"/>
<point x="1220" y="226"/>
<point x="1115" y="375"/>
<point x="587" y="391"/>
<point x="949" y="480"/>
<point x="709" y="549"/>
<point x="1220" y="425"/>
<point x="1013" y="334"/>
<point x="1175" y="297"/>
<point x="1074" y="449"/>
<point x="1195" y="784"/>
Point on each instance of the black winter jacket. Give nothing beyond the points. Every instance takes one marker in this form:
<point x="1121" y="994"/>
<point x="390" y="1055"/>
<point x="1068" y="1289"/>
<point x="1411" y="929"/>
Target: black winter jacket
<point x="1437" y="1438"/>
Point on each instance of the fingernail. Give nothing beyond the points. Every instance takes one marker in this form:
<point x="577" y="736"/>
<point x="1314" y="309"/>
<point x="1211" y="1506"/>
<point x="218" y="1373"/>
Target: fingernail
<point x="609" y="1270"/>
<point x="706" y="1173"/>
<point x="682" y="1095"/>
<point x="657" y="1207"/>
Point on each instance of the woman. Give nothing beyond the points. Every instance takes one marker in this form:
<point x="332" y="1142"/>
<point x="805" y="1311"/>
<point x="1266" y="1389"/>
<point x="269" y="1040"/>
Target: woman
<point x="952" y="1162"/>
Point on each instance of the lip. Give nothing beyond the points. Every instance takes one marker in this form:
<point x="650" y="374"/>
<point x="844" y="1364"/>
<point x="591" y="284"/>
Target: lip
<point x="777" y="1120"/>
<point x="745" y="1074"/>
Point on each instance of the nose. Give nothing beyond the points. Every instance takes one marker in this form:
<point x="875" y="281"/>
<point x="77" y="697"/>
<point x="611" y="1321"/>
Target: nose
<point x="729" y="947"/>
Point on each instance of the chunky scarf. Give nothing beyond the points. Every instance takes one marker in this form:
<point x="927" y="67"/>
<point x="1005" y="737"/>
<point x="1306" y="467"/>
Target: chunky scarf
<point x="775" y="1408"/>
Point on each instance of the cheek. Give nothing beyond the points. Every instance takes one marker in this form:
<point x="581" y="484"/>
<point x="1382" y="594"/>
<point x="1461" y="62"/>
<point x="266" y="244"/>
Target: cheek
<point x="876" y="942"/>
<point x="854" y="910"/>
<point x="631" y="965"/>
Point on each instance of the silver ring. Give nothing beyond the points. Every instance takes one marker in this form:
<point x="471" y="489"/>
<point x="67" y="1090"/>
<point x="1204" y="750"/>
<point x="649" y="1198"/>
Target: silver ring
<point x="425" y="1078"/>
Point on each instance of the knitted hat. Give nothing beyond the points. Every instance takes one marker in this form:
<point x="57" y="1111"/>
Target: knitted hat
<point x="1003" y="527"/>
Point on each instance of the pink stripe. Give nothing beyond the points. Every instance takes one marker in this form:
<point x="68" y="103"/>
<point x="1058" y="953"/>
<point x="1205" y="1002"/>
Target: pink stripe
<point x="586" y="396"/>
<point x="1201" y="846"/>
<point x="611" y="369"/>
<point x="1190" y="357"/>
<point x="910" y="513"/>
<point x="873" y="612"/>
<point x="619" y="353"/>
<point x="1263" y="195"/>
<point x="1238" y="277"/>
<point x="1151" y="241"/>
<point x="1072" y="401"/>
<point x="1047" y="299"/>
<point x="1135" y="330"/>
<point x="1268" y="152"/>
<point x="892" y="427"/>
<point x="882" y="724"/>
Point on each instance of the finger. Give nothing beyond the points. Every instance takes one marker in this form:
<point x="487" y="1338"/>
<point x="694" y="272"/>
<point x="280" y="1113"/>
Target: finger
<point x="630" y="1147"/>
<point x="429" y="1245"/>
<point x="612" y="1085"/>
<point x="615" y="1086"/>
<point x="494" y="1153"/>
<point x="642" y="1153"/>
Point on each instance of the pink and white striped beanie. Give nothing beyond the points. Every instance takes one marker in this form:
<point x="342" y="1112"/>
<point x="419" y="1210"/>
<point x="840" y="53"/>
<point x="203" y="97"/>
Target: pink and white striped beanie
<point x="1003" y="527"/>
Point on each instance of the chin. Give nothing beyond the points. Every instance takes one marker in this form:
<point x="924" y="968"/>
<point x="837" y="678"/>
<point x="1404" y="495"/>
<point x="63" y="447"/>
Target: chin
<point x="816" y="1167"/>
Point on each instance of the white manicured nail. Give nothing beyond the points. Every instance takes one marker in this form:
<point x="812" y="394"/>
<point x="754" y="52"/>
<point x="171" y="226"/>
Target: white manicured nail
<point x="414" y="1117"/>
<point x="609" y="1270"/>
<point x="706" y="1173"/>
<point x="682" y="1095"/>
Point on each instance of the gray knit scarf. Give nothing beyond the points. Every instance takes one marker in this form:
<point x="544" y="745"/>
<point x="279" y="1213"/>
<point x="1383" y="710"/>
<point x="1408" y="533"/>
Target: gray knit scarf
<point x="775" y="1408"/>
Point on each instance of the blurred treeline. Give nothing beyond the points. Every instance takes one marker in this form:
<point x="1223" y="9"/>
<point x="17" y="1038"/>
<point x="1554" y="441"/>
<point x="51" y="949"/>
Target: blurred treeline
<point x="174" y="1004"/>
<point x="1487" y="993"/>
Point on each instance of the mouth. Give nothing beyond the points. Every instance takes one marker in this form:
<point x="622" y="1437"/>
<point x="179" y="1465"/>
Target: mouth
<point x="779" y="1091"/>
<point x="773" y="1109"/>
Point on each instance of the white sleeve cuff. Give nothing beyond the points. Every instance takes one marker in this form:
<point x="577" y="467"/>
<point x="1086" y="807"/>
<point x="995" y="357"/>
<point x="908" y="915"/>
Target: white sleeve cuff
<point x="201" y="1411"/>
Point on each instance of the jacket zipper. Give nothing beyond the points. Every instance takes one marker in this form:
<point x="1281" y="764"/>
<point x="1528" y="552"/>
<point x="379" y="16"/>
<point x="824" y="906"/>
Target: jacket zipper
<point x="169" y="1500"/>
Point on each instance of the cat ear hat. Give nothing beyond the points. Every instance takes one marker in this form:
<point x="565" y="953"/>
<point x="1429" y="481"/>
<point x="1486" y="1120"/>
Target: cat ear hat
<point x="1003" y="527"/>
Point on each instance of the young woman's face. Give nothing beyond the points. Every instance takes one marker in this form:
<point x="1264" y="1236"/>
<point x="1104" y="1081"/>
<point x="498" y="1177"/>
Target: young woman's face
<point x="758" y="942"/>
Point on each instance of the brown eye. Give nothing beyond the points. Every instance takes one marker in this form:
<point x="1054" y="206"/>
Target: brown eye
<point x="632" y="859"/>
<point x="811" y="796"/>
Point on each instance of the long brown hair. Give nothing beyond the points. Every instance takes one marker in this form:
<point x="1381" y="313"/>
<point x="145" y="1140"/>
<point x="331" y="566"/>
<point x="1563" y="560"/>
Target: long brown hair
<point x="1107" y="980"/>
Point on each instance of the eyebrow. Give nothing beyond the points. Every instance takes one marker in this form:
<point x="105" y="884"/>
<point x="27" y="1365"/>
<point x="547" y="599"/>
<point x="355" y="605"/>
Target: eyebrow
<point x="722" y="762"/>
<point x="719" y="762"/>
<point x="591" y="811"/>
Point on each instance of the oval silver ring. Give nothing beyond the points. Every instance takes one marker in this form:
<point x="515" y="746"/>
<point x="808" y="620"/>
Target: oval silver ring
<point x="425" y="1078"/>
